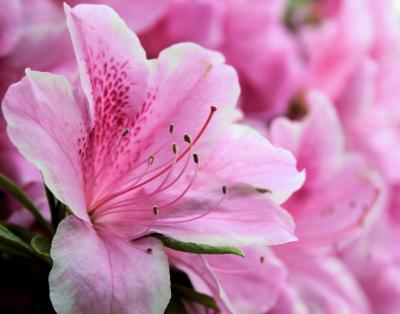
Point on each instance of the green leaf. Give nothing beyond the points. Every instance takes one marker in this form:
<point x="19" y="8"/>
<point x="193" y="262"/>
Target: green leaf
<point x="41" y="246"/>
<point x="191" y="247"/>
<point x="20" y="232"/>
<point x="25" y="201"/>
<point x="9" y="238"/>
<point x="194" y="296"/>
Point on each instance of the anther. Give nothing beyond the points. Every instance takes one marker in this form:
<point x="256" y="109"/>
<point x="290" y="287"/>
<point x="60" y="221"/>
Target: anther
<point x="224" y="189"/>
<point x="149" y="250"/>
<point x="175" y="148"/>
<point x="187" y="138"/>
<point x="213" y="108"/>
<point x="125" y="132"/>
<point x="155" y="210"/>
<point x="196" y="158"/>
<point x="262" y="258"/>
<point x="171" y="128"/>
<point x="150" y="160"/>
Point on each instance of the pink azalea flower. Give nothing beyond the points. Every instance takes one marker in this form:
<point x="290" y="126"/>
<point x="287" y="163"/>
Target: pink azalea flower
<point x="369" y="104"/>
<point x="239" y="285"/>
<point x="375" y="262"/>
<point x="139" y="15"/>
<point x="125" y="152"/>
<point x="340" y="191"/>
<point x="333" y="49"/>
<point x="318" y="285"/>
<point x="10" y="19"/>
<point x="242" y="31"/>
<point x="28" y="31"/>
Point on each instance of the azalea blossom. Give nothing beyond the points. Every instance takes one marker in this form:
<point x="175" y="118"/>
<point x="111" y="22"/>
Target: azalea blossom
<point x="271" y="78"/>
<point x="141" y="147"/>
<point x="340" y="191"/>
<point x="249" y="284"/>
<point x="35" y="27"/>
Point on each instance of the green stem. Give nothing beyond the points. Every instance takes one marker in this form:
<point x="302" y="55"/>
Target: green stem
<point x="25" y="201"/>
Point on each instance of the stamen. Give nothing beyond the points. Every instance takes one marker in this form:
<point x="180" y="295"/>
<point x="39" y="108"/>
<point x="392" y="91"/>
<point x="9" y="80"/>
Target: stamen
<point x="208" y="211"/>
<point x="196" y="158"/>
<point x="155" y="210"/>
<point x="187" y="138"/>
<point x="224" y="189"/>
<point x="171" y="128"/>
<point x="175" y="148"/>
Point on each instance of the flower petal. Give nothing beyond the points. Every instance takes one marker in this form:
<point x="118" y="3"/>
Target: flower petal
<point x="249" y="284"/>
<point x="244" y="155"/>
<point x="104" y="274"/>
<point x="241" y="217"/>
<point x="138" y="14"/>
<point x="46" y="119"/>
<point x="110" y="58"/>
<point x="10" y="21"/>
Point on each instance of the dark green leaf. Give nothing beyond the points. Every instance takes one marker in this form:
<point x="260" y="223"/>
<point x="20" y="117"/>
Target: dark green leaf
<point x="10" y="239"/>
<point x="20" y="232"/>
<point x="24" y="200"/>
<point x="194" y="296"/>
<point x="197" y="248"/>
<point x="41" y="246"/>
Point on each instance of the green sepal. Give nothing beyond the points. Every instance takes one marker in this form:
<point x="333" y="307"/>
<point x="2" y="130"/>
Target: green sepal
<point x="41" y="246"/>
<point x="196" y="248"/>
<point x="194" y="296"/>
<point x="25" y="201"/>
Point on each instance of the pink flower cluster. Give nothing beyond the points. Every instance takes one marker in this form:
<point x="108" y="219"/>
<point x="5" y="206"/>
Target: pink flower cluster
<point x="200" y="156"/>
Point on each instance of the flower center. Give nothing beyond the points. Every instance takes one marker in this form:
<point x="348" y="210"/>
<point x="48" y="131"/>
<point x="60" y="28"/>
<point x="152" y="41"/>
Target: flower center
<point x="144" y="198"/>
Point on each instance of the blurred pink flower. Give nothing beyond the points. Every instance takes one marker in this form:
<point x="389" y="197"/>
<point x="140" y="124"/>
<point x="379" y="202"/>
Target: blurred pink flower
<point x="340" y="191"/>
<point x="29" y="30"/>
<point x="249" y="284"/>
<point x="317" y="284"/>
<point x="125" y="152"/>
<point x="259" y="46"/>
<point x="139" y="15"/>
<point x="332" y="49"/>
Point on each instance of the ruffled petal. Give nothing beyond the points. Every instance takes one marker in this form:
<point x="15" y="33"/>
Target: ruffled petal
<point x="95" y="273"/>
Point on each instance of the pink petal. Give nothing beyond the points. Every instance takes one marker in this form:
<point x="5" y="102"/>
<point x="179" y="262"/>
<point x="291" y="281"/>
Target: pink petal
<point x="321" y="283"/>
<point x="46" y="119"/>
<point x="244" y="155"/>
<point x="340" y="48"/>
<point x="339" y="191"/>
<point x="138" y="14"/>
<point x="107" y="52"/>
<point x="95" y="273"/>
<point x="241" y="217"/>
<point x="189" y="80"/>
<point x="10" y="22"/>
<point x="238" y="284"/>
